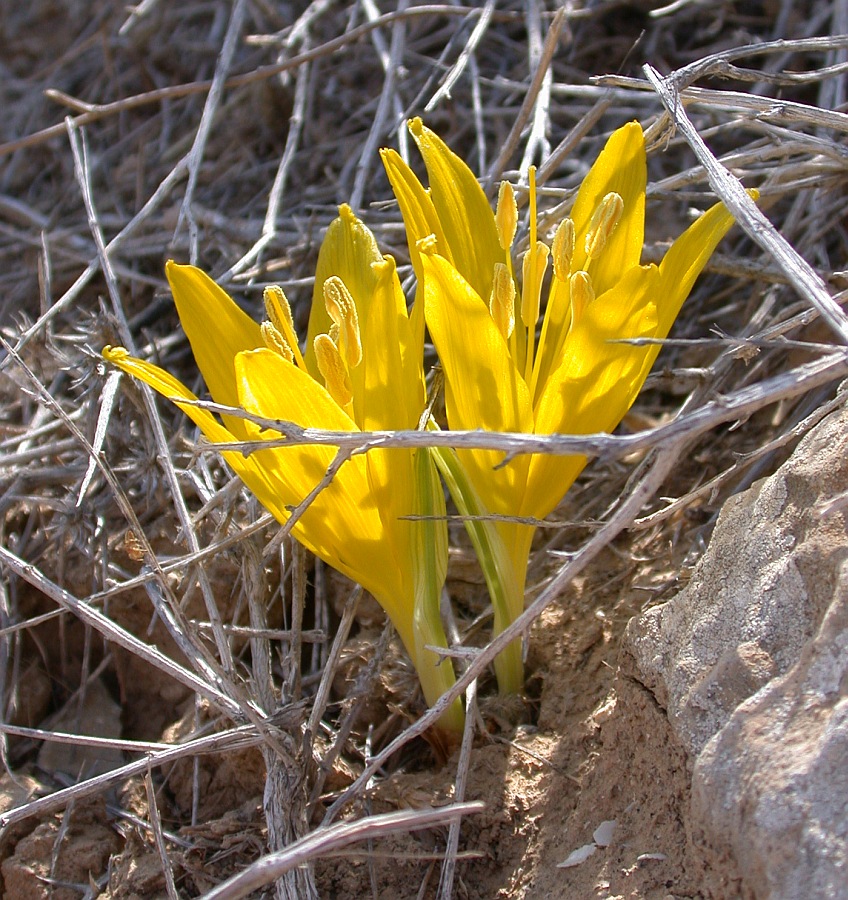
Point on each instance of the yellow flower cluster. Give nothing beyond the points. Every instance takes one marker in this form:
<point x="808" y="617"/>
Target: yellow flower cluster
<point x="362" y="369"/>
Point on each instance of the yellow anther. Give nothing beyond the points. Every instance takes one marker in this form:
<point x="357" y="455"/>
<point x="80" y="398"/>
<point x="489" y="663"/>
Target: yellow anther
<point x="562" y="249"/>
<point x="533" y="271"/>
<point x="274" y="340"/>
<point x="506" y="216"/>
<point x="342" y="310"/>
<point x="427" y="245"/>
<point x="502" y="301"/>
<point x="279" y="314"/>
<point x="332" y="369"/>
<point x="603" y="223"/>
<point x="277" y="309"/>
<point x="582" y="294"/>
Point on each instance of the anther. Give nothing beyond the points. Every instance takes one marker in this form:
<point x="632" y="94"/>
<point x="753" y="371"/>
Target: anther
<point x="279" y="314"/>
<point x="332" y="369"/>
<point x="278" y="309"/>
<point x="562" y="249"/>
<point x="342" y="310"/>
<point x="582" y="294"/>
<point x="603" y="223"/>
<point x="506" y="215"/>
<point x="274" y="340"/>
<point x="502" y="301"/>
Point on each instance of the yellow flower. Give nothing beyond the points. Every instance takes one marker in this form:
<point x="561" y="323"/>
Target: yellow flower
<point x="362" y="371"/>
<point x="576" y="377"/>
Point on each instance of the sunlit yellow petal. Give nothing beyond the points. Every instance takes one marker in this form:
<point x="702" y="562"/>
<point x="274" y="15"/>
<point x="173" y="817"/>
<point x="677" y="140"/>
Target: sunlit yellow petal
<point x="483" y="388"/>
<point x="684" y="261"/>
<point x="347" y="252"/>
<point x="393" y="381"/>
<point x="596" y="382"/>
<point x="342" y="525"/>
<point x="216" y="328"/>
<point x="251" y="472"/>
<point x="620" y="168"/>
<point x="393" y="397"/>
<point x="554" y="330"/>
<point x="463" y="210"/>
<point x="416" y="206"/>
<point x="420" y="221"/>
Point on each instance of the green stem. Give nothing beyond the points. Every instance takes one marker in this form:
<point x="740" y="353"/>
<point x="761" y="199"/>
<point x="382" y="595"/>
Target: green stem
<point x="506" y="595"/>
<point x="435" y="672"/>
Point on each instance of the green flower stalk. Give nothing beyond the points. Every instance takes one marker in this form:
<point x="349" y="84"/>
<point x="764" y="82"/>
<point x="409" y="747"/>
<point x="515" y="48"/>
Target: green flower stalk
<point x="362" y="371"/>
<point x="513" y="364"/>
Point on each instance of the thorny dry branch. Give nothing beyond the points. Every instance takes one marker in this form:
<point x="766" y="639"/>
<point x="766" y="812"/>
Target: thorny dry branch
<point x="105" y="501"/>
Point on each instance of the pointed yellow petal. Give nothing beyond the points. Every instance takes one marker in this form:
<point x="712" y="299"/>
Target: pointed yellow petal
<point x="483" y="388"/>
<point x="420" y="220"/>
<point x="416" y="206"/>
<point x="684" y="261"/>
<point x="248" y="468"/>
<point x="342" y="525"/>
<point x="393" y="378"/>
<point x="596" y="382"/>
<point x="463" y="209"/>
<point x="347" y="252"/>
<point x="393" y="397"/>
<point x="217" y="330"/>
<point x="620" y="168"/>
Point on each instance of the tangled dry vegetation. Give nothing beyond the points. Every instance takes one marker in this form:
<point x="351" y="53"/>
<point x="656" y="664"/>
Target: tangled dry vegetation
<point x="237" y="695"/>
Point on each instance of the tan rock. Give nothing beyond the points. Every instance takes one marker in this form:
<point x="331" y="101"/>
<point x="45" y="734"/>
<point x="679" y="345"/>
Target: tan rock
<point x="750" y="663"/>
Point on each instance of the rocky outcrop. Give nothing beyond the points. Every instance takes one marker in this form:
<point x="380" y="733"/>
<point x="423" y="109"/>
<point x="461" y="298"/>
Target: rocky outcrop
<point x="750" y="663"/>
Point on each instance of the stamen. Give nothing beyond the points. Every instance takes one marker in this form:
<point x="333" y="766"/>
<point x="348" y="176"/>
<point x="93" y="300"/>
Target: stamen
<point x="502" y="301"/>
<point x="342" y="310"/>
<point x="278" y="309"/>
<point x="427" y="245"/>
<point x="533" y="271"/>
<point x="603" y="223"/>
<point x="506" y="216"/>
<point x="274" y="340"/>
<point x="562" y="249"/>
<point x="582" y="294"/>
<point x="332" y="369"/>
<point x="279" y="314"/>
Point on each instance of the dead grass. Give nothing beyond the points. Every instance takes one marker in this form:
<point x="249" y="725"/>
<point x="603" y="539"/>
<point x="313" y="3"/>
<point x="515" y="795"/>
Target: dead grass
<point x="226" y="134"/>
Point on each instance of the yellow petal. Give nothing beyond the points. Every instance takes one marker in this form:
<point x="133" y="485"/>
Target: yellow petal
<point x="420" y="220"/>
<point x="217" y="330"/>
<point x="393" y="377"/>
<point x="684" y="261"/>
<point x="483" y="388"/>
<point x="247" y="468"/>
<point x="347" y="252"/>
<point x="393" y="397"/>
<point x="416" y="206"/>
<point x="596" y="381"/>
<point x="342" y="525"/>
<point x="463" y="209"/>
<point x="620" y="168"/>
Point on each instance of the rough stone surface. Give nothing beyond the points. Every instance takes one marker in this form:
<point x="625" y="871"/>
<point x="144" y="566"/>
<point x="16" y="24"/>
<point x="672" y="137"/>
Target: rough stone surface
<point x="772" y="787"/>
<point x="750" y="663"/>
